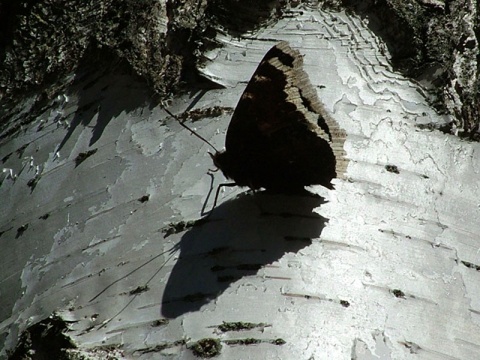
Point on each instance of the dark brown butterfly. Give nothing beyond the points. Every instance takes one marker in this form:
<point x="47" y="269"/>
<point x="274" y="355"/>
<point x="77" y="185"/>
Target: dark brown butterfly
<point x="280" y="137"/>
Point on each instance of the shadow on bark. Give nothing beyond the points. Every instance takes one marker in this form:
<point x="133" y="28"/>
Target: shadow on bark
<point x="238" y="240"/>
<point x="104" y="91"/>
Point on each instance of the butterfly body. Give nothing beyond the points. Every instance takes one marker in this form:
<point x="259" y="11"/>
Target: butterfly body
<point x="280" y="138"/>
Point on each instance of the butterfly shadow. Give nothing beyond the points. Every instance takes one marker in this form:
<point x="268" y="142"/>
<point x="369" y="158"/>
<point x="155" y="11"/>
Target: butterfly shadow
<point x="240" y="238"/>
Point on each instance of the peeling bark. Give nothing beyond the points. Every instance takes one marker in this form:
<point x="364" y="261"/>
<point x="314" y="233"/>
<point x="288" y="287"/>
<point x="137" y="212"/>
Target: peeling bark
<point x="101" y="192"/>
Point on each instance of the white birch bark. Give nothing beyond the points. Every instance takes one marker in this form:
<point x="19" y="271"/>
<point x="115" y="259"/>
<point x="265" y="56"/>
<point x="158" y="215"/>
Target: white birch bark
<point x="393" y="274"/>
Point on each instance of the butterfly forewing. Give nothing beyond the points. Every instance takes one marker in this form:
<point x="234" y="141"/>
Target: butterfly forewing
<point x="280" y="137"/>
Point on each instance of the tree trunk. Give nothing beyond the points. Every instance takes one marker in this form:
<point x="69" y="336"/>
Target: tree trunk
<point x="102" y="193"/>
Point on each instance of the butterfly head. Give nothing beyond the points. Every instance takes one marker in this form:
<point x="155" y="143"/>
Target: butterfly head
<point x="224" y="161"/>
<point x="220" y="160"/>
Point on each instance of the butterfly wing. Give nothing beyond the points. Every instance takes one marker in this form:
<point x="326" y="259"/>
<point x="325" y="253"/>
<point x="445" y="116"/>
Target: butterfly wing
<point x="280" y="137"/>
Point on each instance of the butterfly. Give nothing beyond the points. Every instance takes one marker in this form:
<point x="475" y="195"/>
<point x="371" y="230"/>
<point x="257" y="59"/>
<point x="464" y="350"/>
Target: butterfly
<point x="280" y="137"/>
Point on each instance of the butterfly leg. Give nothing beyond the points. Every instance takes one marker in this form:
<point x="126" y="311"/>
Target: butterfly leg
<point x="232" y="184"/>
<point x="203" y="212"/>
<point x="216" y="198"/>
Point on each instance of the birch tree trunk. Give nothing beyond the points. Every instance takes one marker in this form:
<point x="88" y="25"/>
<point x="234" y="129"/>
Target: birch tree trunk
<point x="103" y="254"/>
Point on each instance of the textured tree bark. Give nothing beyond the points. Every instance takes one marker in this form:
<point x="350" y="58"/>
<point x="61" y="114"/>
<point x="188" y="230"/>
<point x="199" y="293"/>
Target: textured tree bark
<point x="101" y="192"/>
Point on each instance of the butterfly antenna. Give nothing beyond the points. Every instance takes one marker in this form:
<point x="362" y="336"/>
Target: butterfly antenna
<point x="191" y="131"/>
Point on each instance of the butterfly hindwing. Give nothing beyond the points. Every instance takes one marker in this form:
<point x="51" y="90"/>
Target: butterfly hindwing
<point x="280" y="137"/>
